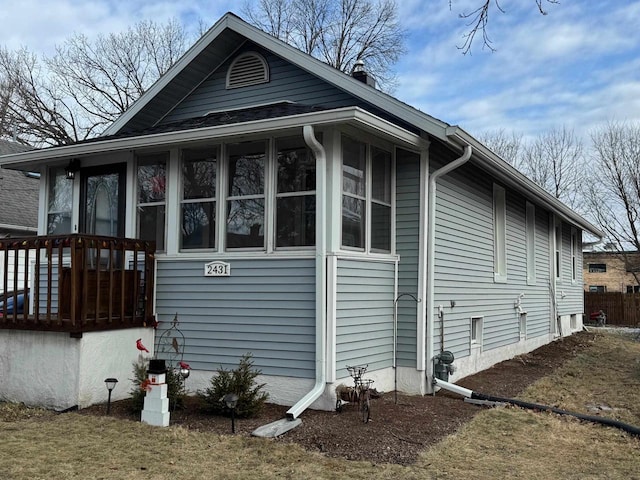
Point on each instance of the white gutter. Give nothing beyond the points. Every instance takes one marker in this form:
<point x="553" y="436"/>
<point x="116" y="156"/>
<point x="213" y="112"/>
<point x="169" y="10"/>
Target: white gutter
<point x="431" y="250"/>
<point x="321" y="277"/>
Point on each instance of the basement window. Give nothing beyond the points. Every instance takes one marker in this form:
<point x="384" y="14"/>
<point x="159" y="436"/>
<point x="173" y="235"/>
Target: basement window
<point x="523" y="326"/>
<point x="247" y="69"/>
<point x="476" y="331"/>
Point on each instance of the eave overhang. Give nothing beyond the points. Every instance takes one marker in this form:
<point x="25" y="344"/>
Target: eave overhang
<point x="354" y="116"/>
<point x="516" y="180"/>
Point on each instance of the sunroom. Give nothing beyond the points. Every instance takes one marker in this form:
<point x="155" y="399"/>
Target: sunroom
<point x="279" y="197"/>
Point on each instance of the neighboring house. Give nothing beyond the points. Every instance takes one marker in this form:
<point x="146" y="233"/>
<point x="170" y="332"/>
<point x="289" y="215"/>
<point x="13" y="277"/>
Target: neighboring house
<point x="18" y="210"/>
<point x="611" y="272"/>
<point x="293" y="206"/>
<point x="18" y="197"/>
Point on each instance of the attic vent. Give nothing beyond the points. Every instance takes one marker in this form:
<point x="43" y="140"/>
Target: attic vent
<point x="248" y="69"/>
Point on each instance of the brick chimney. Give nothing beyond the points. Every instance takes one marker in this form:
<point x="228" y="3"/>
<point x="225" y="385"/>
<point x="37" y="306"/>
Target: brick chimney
<point x="359" y="73"/>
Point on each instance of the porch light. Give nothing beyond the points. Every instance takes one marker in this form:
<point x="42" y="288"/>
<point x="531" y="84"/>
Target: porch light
<point x="111" y="384"/>
<point x="72" y="168"/>
<point x="231" y="401"/>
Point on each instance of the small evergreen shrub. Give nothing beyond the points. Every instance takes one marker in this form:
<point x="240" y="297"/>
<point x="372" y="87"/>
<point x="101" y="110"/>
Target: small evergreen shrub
<point x="242" y="382"/>
<point x="175" y="387"/>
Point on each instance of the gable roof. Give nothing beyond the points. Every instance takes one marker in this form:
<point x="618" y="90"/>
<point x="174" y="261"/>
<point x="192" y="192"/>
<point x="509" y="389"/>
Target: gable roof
<point x="217" y="45"/>
<point x="220" y="42"/>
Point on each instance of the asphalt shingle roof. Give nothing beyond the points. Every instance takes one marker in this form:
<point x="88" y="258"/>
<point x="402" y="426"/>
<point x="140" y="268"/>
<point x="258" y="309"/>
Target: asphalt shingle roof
<point x="18" y="192"/>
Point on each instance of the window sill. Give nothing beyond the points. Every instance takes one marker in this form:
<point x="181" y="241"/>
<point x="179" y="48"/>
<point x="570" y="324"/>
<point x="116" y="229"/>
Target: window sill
<point x="499" y="278"/>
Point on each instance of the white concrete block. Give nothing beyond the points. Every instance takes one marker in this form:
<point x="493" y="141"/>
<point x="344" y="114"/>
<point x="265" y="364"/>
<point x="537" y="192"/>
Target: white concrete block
<point x="156" y="419"/>
<point x="156" y="404"/>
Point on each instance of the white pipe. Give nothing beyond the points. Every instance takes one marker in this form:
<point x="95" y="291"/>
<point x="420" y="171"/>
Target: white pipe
<point x="452" y="387"/>
<point x="321" y="276"/>
<point x="431" y="250"/>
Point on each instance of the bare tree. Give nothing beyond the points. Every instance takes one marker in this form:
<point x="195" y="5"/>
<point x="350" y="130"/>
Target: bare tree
<point x="507" y="146"/>
<point x="86" y="85"/>
<point x="613" y="192"/>
<point x="338" y="33"/>
<point x="478" y="21"/>
<point x="555" y="161"/>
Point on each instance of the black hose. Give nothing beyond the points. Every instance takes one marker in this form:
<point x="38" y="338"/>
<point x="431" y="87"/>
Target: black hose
<point x="535" y="406"/>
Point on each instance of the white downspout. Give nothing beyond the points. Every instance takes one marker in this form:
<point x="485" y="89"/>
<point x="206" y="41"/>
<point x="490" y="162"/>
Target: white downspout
<point x="321" y="276"/>
<point x="431" y="251"/>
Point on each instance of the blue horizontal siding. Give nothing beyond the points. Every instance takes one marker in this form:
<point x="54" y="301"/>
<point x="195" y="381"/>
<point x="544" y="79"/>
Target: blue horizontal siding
<point x="266" y="307"/>
<point x="364" y="314"/>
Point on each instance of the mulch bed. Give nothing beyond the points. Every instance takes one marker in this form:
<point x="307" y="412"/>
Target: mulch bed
<point x="396" y="433"/>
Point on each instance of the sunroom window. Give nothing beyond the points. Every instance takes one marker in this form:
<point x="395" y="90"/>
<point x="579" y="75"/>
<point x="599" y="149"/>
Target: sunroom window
<point x="59" y="204"/>
<point x="295" y="197"/>
<point x="198" y="204"/>
<point x="152" y="175"/>
<point x="246" y="195"/>
<point x="354" y="188"/>
<point x="366" y="196"/>
<point x="380" y="200"/>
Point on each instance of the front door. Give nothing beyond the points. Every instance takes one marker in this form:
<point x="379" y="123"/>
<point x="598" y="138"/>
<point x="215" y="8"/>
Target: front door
<point x="103" y="200"/>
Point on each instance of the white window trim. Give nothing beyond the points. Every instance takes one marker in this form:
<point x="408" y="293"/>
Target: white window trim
<point x="499" y="234"/>
<point x="530" y="233"/>
<point x="368" y="196"/>
<point x="174" y="201"/>
<point x="522" y="325"/>
<point x="557" y="252"/>
<point x="179" y="201"/>
<point x="574" y="255"/>
<point x="477" y="342"/>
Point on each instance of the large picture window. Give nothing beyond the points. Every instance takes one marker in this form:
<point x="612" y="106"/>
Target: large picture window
<point x="246" y="195"/>
<point x="295" y="196"/>
<point x="366" y="196"/>
<point x="198" y="204"/>
<point x="152" y="175"/>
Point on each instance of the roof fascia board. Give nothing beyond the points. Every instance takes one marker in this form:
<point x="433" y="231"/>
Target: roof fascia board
<point x="7" y="226"/>
<point x="517" y="180"/>
<point x="163" y="81"/>
<point x="353" y="115"/>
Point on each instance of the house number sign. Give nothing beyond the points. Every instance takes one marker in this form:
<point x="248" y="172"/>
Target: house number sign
<point x="217" y="269"/>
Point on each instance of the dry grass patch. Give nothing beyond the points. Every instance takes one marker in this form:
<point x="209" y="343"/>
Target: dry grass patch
<point x="604" y="380"/>
<point x="513" y="443"/>
<point x="73" y="446"/>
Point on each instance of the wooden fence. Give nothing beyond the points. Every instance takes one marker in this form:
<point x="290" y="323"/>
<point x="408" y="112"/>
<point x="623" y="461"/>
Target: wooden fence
<point x="622" y="309"/>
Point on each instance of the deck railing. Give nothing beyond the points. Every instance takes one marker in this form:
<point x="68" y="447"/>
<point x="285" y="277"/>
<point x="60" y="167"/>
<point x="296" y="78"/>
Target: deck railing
<point x="76" y="283"/>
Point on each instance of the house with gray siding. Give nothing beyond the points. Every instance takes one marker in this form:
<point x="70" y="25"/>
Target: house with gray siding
<point x="310" y="219"/>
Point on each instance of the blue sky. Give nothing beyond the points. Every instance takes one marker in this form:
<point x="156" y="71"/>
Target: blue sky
<point x="578" y="66"/>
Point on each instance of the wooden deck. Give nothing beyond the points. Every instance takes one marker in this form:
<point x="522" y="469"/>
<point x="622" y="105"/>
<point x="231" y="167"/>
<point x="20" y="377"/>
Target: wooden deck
<point x="76" y="283"/>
